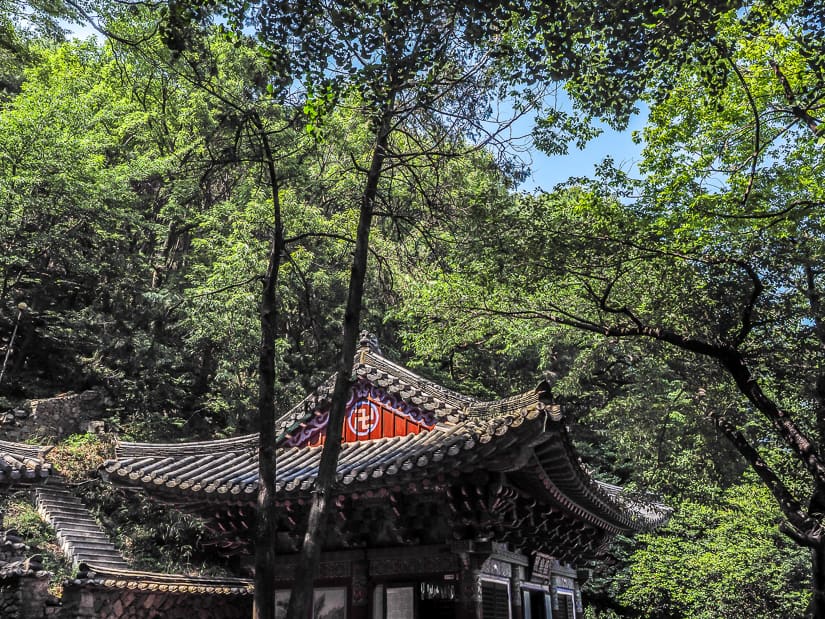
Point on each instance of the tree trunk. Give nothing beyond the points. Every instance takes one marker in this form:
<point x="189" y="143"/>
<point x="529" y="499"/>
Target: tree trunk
<point x="817" y="606"/>
<point x="300" y="603"/>
<point x="265" y="521"/>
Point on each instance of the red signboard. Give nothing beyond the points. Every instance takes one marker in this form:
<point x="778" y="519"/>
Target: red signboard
<point x="371" y="414"/>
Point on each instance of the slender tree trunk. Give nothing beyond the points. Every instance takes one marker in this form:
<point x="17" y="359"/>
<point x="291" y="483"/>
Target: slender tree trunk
<point x="265" y="529"/>
<point x="21" y="308"/>
<point x="300" y="603"/>
<point x="817" y="606"/>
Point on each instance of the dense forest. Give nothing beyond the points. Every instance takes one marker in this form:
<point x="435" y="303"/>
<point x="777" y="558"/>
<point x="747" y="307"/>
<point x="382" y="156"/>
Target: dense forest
<point x="188" y="201"/>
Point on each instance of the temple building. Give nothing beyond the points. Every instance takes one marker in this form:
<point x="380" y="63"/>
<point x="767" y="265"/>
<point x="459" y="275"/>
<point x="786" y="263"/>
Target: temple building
<point x="446" y="506"/>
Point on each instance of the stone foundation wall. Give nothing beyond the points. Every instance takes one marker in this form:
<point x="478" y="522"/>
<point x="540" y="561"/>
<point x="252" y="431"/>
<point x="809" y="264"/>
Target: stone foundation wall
<point x="12" y="547"/>
<point x="24" y="585"/>
<point x="53" y="418"/>
<point x="27" y="597"/>
<point x="83" y="602"/>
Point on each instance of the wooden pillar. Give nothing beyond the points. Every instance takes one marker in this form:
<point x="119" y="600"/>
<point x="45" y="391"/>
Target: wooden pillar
<point x="359" y="590"/>
<point x="518" y="575"/>
<point x="469" y="588"/>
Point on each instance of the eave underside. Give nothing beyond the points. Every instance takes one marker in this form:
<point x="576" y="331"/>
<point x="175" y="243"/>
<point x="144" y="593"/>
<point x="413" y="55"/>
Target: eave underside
<point x="437" y="510"/>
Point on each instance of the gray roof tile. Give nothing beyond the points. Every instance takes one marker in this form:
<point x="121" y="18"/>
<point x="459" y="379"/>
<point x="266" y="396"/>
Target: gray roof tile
<point x="23" y="463"/>
<point x="468" y="434"/>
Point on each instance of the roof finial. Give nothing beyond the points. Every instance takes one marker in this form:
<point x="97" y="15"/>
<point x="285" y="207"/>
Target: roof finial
<point x="369" y="342"/>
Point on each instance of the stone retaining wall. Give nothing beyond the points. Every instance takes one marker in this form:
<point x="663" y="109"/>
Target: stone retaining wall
<point x="52" y="418"/>
<point x="26" y="597"/>
<point x="24" y="585"/>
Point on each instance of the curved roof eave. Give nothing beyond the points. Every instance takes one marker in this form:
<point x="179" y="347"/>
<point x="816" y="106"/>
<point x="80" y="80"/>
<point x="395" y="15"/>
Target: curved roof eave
<point x="480" y="421"/>
<point x="20" y="463"/>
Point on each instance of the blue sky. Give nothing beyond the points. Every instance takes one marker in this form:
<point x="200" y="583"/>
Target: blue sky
<point x="547" y="171"/>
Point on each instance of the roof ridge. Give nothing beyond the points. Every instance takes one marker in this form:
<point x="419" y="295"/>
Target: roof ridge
<point x="418" y="380"/>
<point x="88" y="567"/>
<point x="245" y="441"/>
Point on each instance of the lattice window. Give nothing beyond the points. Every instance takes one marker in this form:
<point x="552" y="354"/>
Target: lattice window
<point x="567" y="607"/>
<point x="495" y="600"/>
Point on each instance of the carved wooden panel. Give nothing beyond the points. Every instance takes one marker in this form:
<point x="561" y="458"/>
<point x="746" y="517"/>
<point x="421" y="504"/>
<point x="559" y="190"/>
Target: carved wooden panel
<point x="411" y="565"/>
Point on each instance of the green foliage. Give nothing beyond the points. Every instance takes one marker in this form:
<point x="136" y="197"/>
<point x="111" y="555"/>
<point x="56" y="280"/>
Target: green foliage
<point x="611" y="52"/>
<point x="75" y="163"/>
<point x="79" y="456"/>
<point x="152" y="537"/>
<point x="18" y="513"/>
<point x="136" y="215"/>
<point x="726" y="560"/>
<point x="680" y="311"/>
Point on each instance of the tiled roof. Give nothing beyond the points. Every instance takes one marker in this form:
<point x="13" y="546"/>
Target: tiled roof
<point x="524" y="432"/>
<point x="229" y="468"/>
<point x="32" y="566"/>
<point x="13" y="560"/>
<point x="565" y="478"/>
<point x="430" y="397"/>
<point x="647" y="512"/>
<point x="93" y="575"/>
<point x="23" y="463"/>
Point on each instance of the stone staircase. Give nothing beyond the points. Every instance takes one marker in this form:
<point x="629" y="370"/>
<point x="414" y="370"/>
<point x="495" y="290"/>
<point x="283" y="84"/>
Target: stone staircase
<point x="78" y="533"/>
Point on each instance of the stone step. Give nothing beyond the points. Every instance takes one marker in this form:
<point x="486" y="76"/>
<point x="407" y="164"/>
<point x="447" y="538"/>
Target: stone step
<point x="100" y="559"/>
<point x="79" y="534"/>
<point x="70" y="519"/>
<point x="117" y="565"/>
<point x="60" y="499"/>
<point x="77" y="510"/>
<point x="57" y="492"/>
<point x="69" y="511"/>
<point x="71" y="525"/>
<point x="86" y="541"/>
<point x="62" y="512"/>
<point x="91" y="557"/>
<point x="63" y="504"/>
<point x="81" y="542"/>
<point x="78" y="530"/>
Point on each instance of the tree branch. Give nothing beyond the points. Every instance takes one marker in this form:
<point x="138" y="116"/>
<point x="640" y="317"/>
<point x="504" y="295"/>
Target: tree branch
<point x="747" y="313"/>
<point x="729" y="357"/>
<point x="805" y="530"/>
<point x="240" y="284"/>
<point x="798" y="111"/>
<point x="756" y="131"/>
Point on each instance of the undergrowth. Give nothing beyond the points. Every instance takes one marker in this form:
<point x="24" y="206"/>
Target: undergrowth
<point x="19" y="514"/>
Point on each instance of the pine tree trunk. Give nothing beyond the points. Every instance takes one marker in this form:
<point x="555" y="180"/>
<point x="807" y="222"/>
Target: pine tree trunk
<point x="265" y="521"/>
<point x="817" y="606"/>
<point x="300" y="603"/>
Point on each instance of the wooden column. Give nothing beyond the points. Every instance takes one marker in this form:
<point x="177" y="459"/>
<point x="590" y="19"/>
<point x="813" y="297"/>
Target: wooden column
<point x="359" y="590"/>
<point x="518" y="575"/>
<point x="469" y="587"/>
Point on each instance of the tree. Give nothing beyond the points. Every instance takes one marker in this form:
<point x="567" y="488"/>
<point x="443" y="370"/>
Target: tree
<point x="723" y="561"/>
<point x="414" y="60"/>
<point x="714" y="257"/>
<point x="71" y="208"/>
